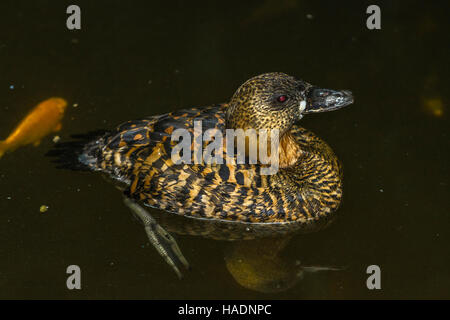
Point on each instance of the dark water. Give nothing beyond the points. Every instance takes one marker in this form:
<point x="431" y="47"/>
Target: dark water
<point x="134" y="60"/>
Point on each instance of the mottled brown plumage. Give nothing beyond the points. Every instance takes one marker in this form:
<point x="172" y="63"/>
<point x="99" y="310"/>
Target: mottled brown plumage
<point x="306" y="188"/>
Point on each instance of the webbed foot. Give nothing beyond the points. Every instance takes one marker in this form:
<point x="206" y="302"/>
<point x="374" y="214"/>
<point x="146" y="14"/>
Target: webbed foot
<point x="164" y="243"/>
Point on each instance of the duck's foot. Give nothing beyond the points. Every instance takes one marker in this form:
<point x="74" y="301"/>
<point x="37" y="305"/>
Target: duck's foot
<point x="164" y="243"/>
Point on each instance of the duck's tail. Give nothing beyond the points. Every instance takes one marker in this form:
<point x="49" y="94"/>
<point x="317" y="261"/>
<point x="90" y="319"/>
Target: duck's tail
<point x="71" y="154"/>
<point x="3" y="147"/>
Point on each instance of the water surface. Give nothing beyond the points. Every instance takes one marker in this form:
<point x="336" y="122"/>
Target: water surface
<point x="133" y="60"/>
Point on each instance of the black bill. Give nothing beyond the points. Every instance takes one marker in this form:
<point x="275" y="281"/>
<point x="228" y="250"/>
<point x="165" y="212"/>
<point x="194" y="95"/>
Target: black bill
<point x="321" y="100"/>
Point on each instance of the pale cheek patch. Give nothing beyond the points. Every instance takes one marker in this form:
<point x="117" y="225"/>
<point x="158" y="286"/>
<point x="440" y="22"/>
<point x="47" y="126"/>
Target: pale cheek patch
<point x="302" y="106"/>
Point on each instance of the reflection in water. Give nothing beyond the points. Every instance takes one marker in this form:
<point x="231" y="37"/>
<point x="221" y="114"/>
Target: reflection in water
<point x="260" y="265"/>
<point x="255" y="258"/>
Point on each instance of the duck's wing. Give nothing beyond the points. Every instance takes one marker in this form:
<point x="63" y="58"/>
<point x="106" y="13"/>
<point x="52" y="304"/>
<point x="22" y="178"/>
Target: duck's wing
<point x="142" y="147"/>
<point x="138" y="153"/>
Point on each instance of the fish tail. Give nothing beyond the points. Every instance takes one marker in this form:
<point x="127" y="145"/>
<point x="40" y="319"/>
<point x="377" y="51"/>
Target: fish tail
<point x="75" y="154"/>
<point x="3" y="147"/>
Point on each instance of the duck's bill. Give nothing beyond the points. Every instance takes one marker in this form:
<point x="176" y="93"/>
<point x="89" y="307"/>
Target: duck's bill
<point x="321" y="100"/>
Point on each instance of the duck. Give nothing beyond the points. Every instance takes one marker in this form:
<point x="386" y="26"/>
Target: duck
<point x="305" y="190"/>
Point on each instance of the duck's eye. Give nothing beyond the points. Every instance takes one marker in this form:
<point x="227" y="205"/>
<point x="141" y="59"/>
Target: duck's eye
<point x="282" y="99"/>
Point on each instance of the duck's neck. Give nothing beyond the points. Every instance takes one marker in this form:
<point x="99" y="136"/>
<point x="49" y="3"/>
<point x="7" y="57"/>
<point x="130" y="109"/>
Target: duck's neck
<point x="289" y="150"/>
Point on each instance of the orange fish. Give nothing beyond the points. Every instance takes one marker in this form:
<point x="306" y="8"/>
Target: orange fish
<point x="43" y="119"/>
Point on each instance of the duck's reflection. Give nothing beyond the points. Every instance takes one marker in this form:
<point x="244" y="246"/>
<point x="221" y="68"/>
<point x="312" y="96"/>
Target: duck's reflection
<point x="259" y="265"/>
<point x="255" y="254"/>
<point x="262" y="266"/>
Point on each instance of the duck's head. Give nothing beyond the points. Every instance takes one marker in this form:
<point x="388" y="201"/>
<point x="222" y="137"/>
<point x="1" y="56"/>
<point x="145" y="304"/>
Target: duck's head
<point x="277" y="100"/>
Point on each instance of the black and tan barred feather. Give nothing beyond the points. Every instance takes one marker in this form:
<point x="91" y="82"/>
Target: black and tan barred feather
<point x="304" y="193"/>
<point x="138" y="153"/>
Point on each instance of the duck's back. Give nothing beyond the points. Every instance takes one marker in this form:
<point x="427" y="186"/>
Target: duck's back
<point x="139" y="145"/>
<point x="138" y="153"/>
